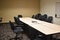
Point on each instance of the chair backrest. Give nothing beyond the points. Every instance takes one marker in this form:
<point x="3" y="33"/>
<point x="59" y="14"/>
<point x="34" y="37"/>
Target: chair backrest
<point x="44" y="17"/>
<point x="17" y="21"/>
<point x="37" y="16"/>
<point x="0" y="19"/>
<point x="40" y="17"/>
<point x="12" y="25"/>
<point x="50" y="19"/>
<point x="33" y="16"/>
<point x="19" y="16"/>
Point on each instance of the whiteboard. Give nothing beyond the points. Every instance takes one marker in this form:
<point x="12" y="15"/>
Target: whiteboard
<point x="58" y="9"/>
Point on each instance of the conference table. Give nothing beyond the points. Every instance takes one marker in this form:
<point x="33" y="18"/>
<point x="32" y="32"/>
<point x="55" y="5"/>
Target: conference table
<point x="44" y="27"/>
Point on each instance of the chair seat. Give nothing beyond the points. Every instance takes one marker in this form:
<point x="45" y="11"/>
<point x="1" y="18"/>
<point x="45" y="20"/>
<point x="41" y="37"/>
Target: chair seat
<point x="18" y="29"/>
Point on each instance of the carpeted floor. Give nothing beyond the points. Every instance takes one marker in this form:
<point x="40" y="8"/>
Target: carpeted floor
<point x="6" y="33"/>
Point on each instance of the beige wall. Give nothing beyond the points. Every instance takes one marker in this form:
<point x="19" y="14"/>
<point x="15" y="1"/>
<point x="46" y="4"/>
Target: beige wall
<point x="48" y="7"/>
<point x="0" y="8"/>
<point x="11" y="8"/>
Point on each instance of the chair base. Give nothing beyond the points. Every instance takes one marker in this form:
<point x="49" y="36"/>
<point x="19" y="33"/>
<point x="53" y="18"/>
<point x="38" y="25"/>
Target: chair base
<point x="16" y="38"/>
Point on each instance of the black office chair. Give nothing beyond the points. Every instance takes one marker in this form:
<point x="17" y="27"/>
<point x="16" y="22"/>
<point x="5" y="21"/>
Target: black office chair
<point x="40" y="37"/>
<point x="50" y="19"/>
<point x="41" y="17"/>
<point x="17" y="30"/>
<point x="0" y="19"/>
<point x="37" y="16"/>
<point x="33" y="16"/>
<point x="20" y="23"/>
<point x="44" y="17"/>
<point x="19" y="16"/>
<point x="17" y="21"/>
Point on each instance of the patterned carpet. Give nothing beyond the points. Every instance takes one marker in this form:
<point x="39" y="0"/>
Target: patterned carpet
<point x="6" y="33"/>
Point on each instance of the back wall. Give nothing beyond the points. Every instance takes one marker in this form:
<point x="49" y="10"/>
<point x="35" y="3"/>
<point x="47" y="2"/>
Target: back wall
<point x="11" y="8"/>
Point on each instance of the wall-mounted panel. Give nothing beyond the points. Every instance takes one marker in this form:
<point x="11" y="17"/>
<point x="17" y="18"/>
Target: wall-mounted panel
<point x="57" y="10"/>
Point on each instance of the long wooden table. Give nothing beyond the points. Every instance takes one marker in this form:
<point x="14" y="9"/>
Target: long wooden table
<point x="44" y="27"/>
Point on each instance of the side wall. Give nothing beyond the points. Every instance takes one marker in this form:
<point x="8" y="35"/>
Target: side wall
<point x="48" y="7"/>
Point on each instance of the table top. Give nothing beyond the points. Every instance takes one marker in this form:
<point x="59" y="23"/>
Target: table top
<point x="44" y="27"/>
